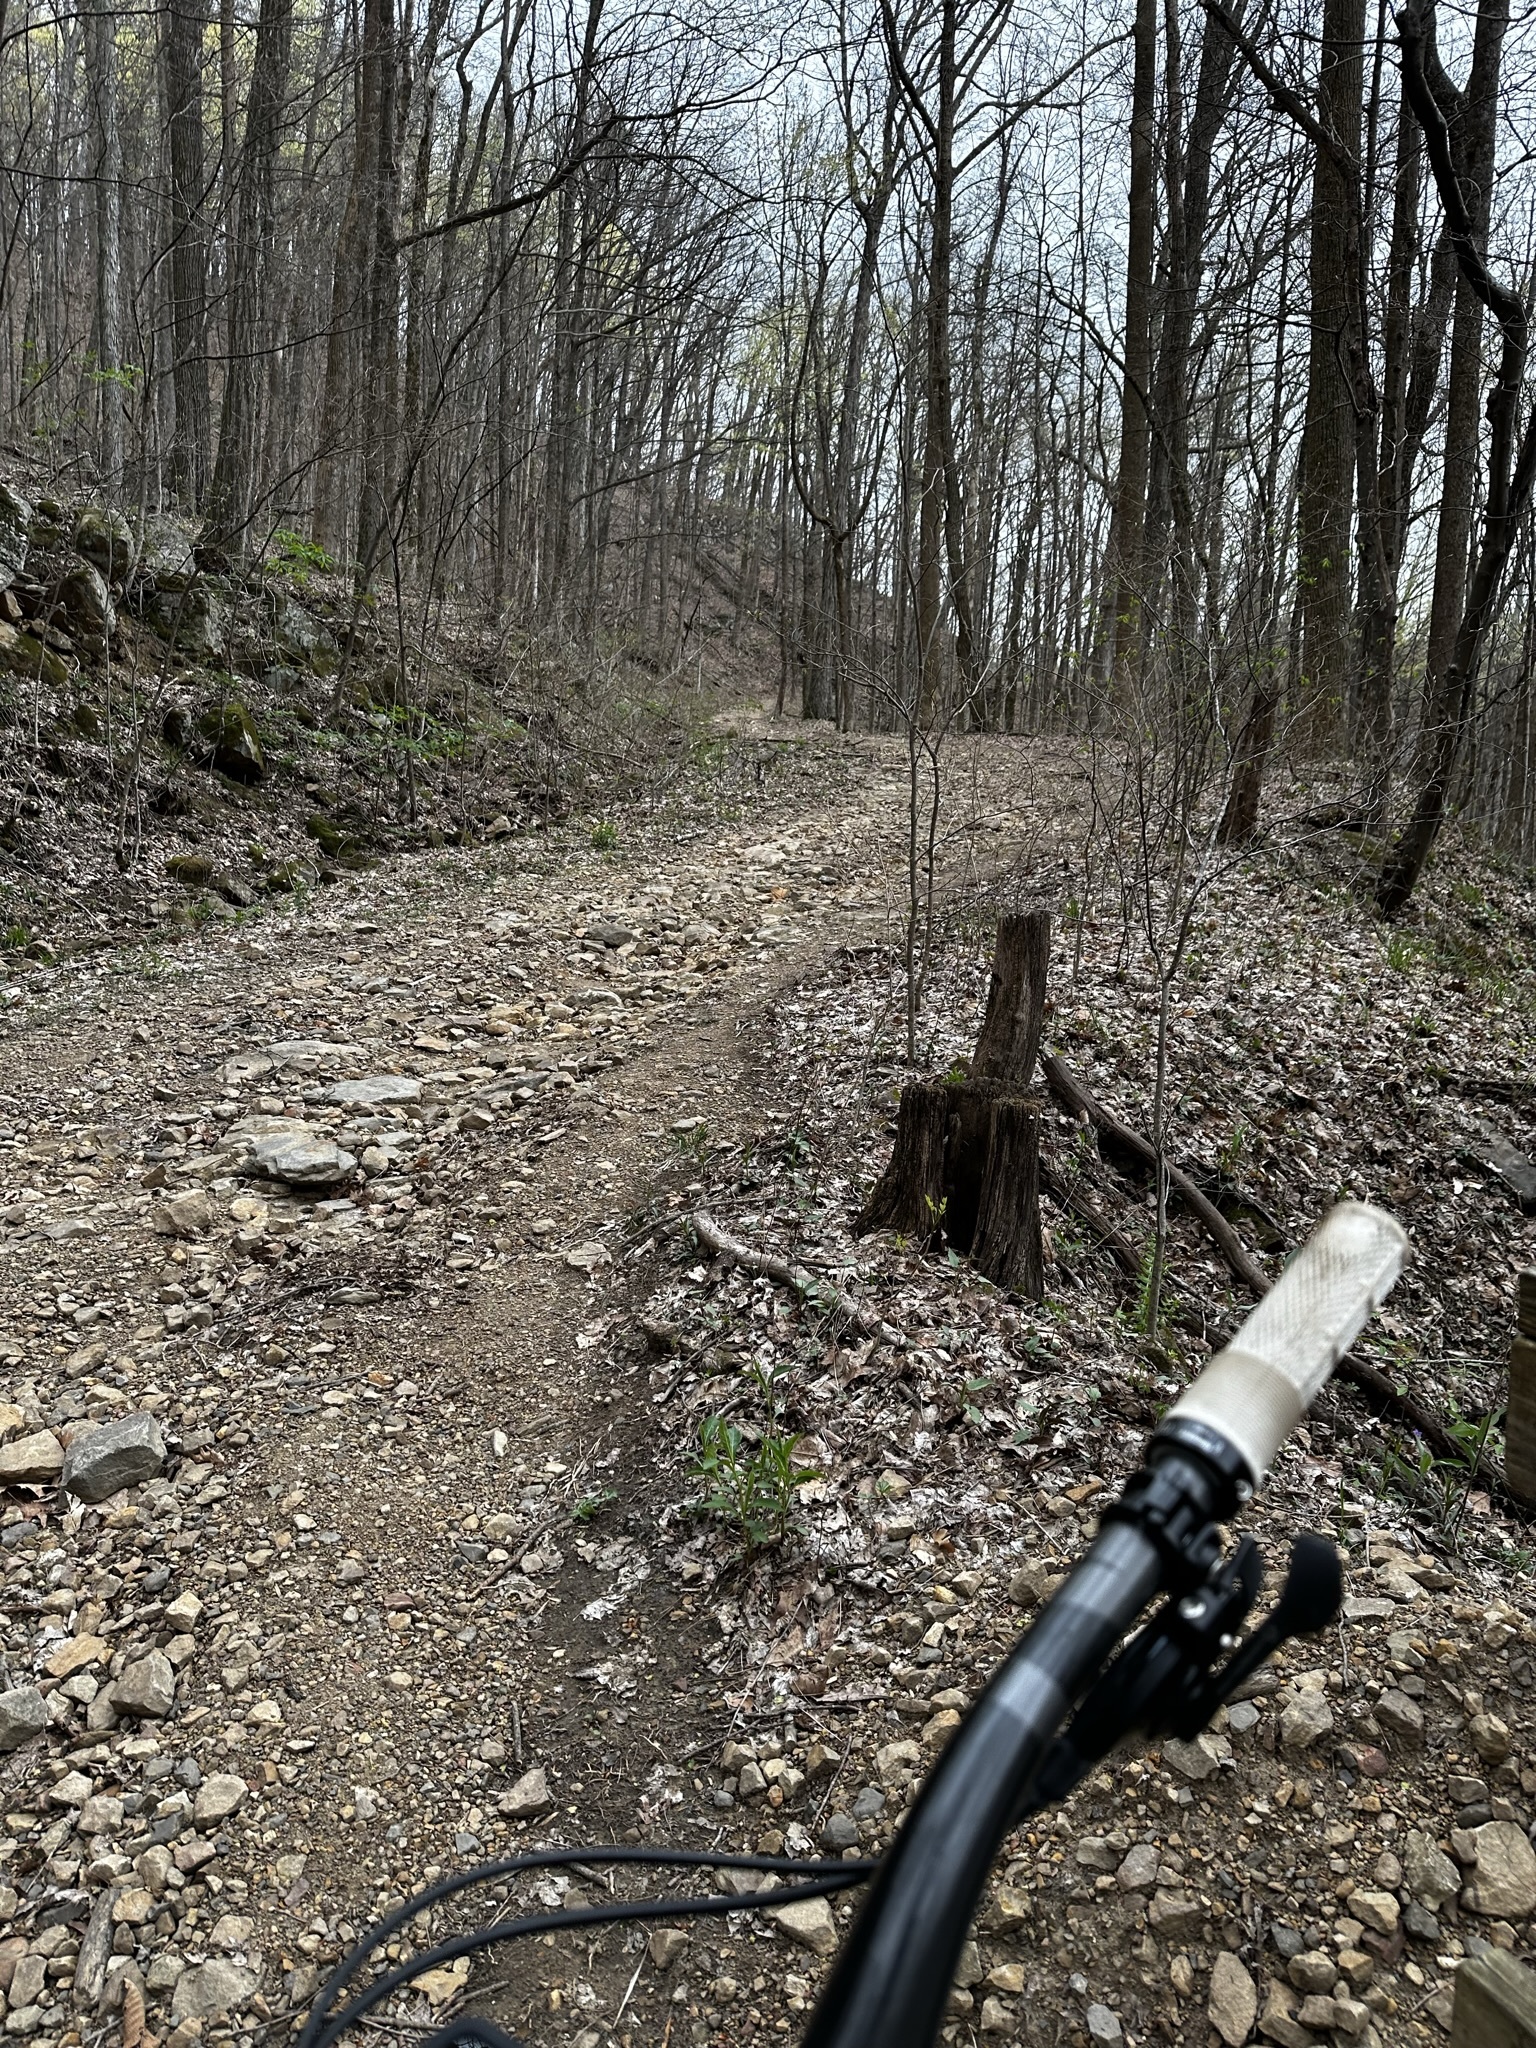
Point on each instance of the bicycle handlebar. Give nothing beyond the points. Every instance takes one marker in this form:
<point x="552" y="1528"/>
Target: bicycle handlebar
<point x="891" y="1983"/>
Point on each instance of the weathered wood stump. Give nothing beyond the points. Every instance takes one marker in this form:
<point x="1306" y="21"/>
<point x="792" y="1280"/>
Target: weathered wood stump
<point x="965" y="1167"/>
<point x="1009" y="1043"/>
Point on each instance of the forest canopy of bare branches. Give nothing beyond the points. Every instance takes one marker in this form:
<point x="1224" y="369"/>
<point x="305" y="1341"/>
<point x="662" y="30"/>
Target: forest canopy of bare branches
<point x="1043" y="369"/>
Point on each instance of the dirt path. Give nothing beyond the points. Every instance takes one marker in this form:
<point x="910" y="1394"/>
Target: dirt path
<point x="301" y="1666"/>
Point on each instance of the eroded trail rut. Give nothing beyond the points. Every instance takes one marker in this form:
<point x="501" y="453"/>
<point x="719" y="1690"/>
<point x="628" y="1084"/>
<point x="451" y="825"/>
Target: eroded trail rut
<point x="303" y="1663"/>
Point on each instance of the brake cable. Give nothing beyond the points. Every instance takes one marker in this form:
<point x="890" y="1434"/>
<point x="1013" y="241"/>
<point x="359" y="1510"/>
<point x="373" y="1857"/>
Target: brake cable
<point x="323" y="2029"/>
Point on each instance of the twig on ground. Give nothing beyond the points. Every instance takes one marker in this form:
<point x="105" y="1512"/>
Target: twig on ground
<point x="811" y="1289"/>
<point x="1080" y="1099"/>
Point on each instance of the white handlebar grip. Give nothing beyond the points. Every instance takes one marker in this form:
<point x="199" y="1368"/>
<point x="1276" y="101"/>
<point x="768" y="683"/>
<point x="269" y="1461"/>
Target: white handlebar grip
<point x="1256" y="1390"/>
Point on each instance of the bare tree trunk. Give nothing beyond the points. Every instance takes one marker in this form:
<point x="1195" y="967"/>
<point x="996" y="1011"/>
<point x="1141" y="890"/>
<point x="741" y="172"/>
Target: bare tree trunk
<point x="381" y="365"/>
<point x="181" y="52"/>
<point x="1510" y="476"/>
<point x="1188" y="181"/>
<point x="1323" y="551"/>
<point x="349" y="270"/>
<point x="1470" y="118"/>
<point x="107" y="175"/>
<point x="568" y="321"/>
<point x="1125" y="566"/>
<point x="231" y="492"/>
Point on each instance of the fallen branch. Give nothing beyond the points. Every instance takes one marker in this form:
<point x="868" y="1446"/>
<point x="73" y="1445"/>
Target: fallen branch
<point x="1066" y="1195"/>
<point x="809" y="1286"/>
<point x="1076" y="1096"/>
<point x="1080" y="1099"/>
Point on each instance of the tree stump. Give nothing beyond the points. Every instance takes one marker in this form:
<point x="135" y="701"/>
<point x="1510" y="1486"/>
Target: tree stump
<point x="909" y="1195"/>
<point x="1015" y="1017"/>
<point x="965" y="1167"/>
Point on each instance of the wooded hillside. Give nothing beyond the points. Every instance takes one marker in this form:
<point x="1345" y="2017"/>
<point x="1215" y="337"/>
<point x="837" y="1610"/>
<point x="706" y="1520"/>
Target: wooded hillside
<point x="1129" y="368"/>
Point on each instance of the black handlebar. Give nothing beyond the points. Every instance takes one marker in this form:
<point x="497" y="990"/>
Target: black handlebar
<point x="893" y="1977"/>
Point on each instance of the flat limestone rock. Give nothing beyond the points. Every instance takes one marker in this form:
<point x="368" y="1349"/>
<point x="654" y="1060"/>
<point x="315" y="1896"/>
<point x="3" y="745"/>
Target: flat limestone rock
<point x="1234" y="2000"/>
<point x="211" y="1990"/>
<point x="23" y="1717"/>
<point x="808" y="1923"/>
<point x="528" y="1798"/>
<point x="185" y="1216"/>
<point x="286" y="1050"/>
<point x="217" y="1797"/>
<point x="374" y="1090"/>
<point x="1503" y="1884"/>
<point x="251" y="1130"/>
<point x="147" y="1689"/>
<point x="35" y="1460"/>
<point x="303" y="1162"/>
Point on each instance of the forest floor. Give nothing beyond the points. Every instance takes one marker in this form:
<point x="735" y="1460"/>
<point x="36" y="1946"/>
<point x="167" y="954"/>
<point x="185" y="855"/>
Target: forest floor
<point x="421" y="1578"/>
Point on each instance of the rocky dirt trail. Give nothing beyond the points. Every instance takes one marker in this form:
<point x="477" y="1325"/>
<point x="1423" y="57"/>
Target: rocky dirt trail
<point x="356" y="1350"/>
<point x="316" y="1389"/>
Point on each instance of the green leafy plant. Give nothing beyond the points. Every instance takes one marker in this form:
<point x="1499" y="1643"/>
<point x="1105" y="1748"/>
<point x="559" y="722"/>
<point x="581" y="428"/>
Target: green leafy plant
<point x="970" y="1401"/>
<point x="750" y="1482"/>
<point x="1233" y="1146"/>
<point x="15" y="938"/>
<point x="694" y="1142"/>
<point x="1404" y="951"/>
<point x="592" y="1504"/>
<point x="294" y="556"/>
<point x="605" y="835"/>
<point x="1439" y="1486"/>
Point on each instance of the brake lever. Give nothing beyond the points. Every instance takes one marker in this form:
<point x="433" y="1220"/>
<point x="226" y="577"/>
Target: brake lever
<point x="1162" y="1681"/>
<point x="1309" y="1602"/>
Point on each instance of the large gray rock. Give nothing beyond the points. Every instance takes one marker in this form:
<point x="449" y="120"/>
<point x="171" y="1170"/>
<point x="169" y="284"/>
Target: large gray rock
<point x="808" y="1923"/>
<point x="1401" y="1717"/>
<point x="233" y="745"/>
<point x="147" y="1690"/>
<point x="212" y="1990"/>
<point x="1503" y="1884"/>
<point x="23" y="1717"/>
<point x="528" y="1798"/>
<point x="123" y="1453"/>
<point x="88" y="605"/>
<point x="1197" y="1759"/>
<point x="295" y="634"/>
<point x="1234" y="2000"/>
<point x="251" y="1130"/>
<point x="185" y="1215"/>
<point x="1305" y="1719"/>
<point x="303" y="1162"/>
<point x="193" y="618"/>
<point x="15" y="518"/>
<point x="1429" y="1873"/>
<point x="217" y="1797"/>
<point x="106" y="541"/>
